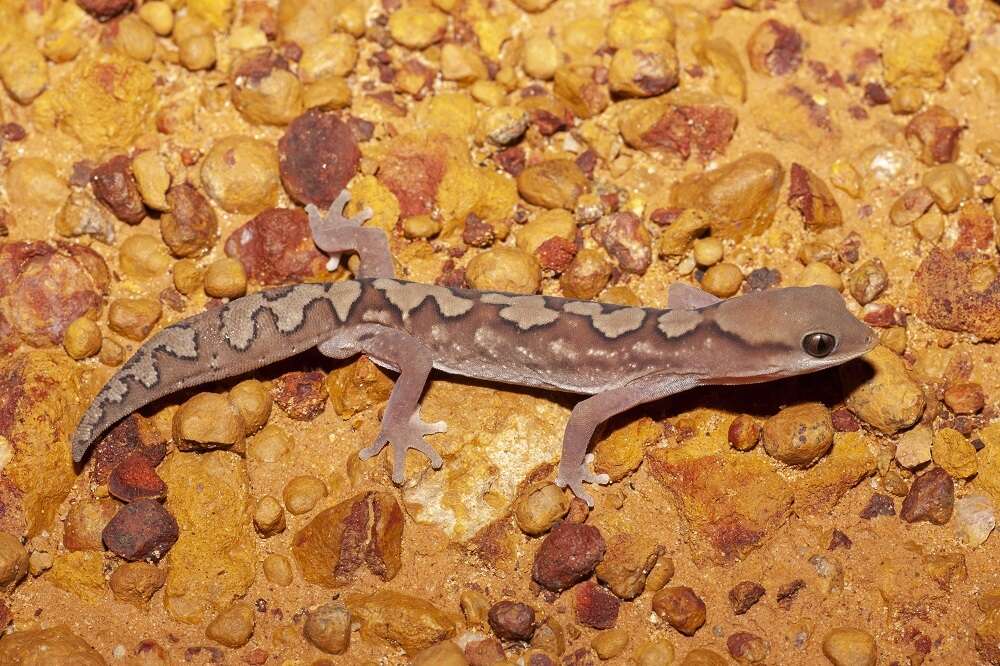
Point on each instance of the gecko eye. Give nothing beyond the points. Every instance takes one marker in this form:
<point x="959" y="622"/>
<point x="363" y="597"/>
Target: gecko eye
<point x="819" y="344"/>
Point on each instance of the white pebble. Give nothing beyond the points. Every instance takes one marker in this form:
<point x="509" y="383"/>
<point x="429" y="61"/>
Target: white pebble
<point x="974" y="519"/>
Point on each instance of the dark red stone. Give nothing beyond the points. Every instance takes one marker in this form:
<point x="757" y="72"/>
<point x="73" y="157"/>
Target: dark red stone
<point x="141" y="530"/>
<point x="568" y="555"/>
<point x="595" y="606"/>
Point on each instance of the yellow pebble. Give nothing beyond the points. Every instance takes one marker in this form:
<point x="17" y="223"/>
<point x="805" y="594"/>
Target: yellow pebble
<point x="722" y="280"/>
<point x="82" y="338"/>
<point x="818" y="273"/>
<point x="225" y="278"/>
<point x="707" y="251"/>
<point x="158" y="16"/>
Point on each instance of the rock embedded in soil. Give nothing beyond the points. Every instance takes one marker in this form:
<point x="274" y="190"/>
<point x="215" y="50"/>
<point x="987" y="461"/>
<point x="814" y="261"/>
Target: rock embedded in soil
<point x="141" y="530"/>
<point x="410" y="623"/>
<point x="878" y="505"/>
<point x="744" y="595"/>
<point x="512" y="621"/>
<point x="276" y="247"/>
<point x="328" y="627"/>
<point x="365" y="529"/>
<point x="627" y="563"/>
<point x="136" y="478"/>
<point x="890" y="399"/>
<point x="540" y="507"/>
<point x="964" y="397"/>
<point x="208" y="421"/>
<point x="233" y="627"/>
<point x="681" y="608"/>
<point x="847" y="646"/>
<point x="954" y="453"/>
<point x="799" y="435"/>
<point x="946" y="292"/>
<point x="913" y="448"/>
<point x="747" y="648"/>
<point x="931" y="498"/>
<point x="300" y="395"/>
<point x="85" y="522"/>
<point x="974" y="519"/>
<point x="115" y="187"/>
<point x="191" y="226"/>
<point x="317" y="156"/>
<point x="55" y="645"/>
<point x="567" y="555"/>
<point x="595" y="606"/>
<point x="136" y="582"/>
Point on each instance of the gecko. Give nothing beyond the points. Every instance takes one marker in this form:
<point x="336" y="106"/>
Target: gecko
<point x="617" y="356"/>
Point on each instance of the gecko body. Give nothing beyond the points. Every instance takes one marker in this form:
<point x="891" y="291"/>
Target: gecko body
<point x="620" y="356"/>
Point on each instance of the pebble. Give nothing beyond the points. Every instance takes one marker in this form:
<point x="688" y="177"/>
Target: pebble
<point x="329" y="628"/>
<point x="624" y="236"/>
<point x="913" y="448"/>
<point x="269" y="445"/>
<point x="240" y="174"/>
<point x="115" y="187"/>
<point x="846" y="646"/>
<point x="300" y="395"/>
<point x="141" y="530"/>
<point x="191" y="227"/>
<point x="278" y="570"/>
<point x="819" y="273"/>
<point x="13" y="561"/>
<point x="188" y="277"/>
<point x="954" y="453"/>
<point x="135" y="478"/>
<point x="302" y="493"/>
<point x="134" y="318"/>
<point x="722" y="280"/>
<point x="878" y="505"/>
<point x="504" y="269"/>
<point x="747" y="648"/>
<point x="661" y="574"/>
<point x="409" y="622"/>
<point x="609" y="643"/>
<point x="890" y="400"/>
<point x="931" y="498"/>
<point x="744" y="433"/>
<point x="82" y="339"/>
<point x="654" y="653"/>
<point x="703" y="657"/>
<point x="233" y="627"/>
<point x="628" y="563"/>
<point x="568" y="555"/>
<point x="225" y="278"/>
<point x="744" y="595"/>
<point x="152" y="179"/>
<point x="868" y="281"/>
<point x="512" y="621"/>
<point x="317" y="156"/>
<point x="137" y="582"/>
<point x="681" y="608"/>
<point x="799" y="435"/>
<point x="595" y="606"/>
<point x="253" y="401"/>
<point x="445" y="653"/>
<point x="208" y="421"/>
<point x="557" y="223"/>
<point x="552" y="184"/>
<point x="974" y="519"/>
<point x="269" y="516"/>
<point x="263" y="90"/>
<point x="964" y="397"/>
<point x="540" y="507"/>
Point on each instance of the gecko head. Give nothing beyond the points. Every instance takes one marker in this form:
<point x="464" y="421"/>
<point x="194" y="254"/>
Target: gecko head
<point x="799" y="329"/>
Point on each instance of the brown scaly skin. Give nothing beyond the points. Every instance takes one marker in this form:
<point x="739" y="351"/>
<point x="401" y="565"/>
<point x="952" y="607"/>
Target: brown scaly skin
<point x="618" y="355"/>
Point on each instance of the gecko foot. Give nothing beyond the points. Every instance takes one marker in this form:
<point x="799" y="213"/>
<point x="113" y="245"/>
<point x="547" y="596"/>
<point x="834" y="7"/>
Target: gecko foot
<point x="403" y="436"/>
<point x="574" y="478"/>
<point x="325" y="227"/>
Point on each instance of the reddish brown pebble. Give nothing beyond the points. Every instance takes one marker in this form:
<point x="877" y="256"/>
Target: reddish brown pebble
<point x="880" y="315"/>
<point x="908" y="208"/>
<point x="839" y="540"/>
<point x="964" y="397"/>
<point x="512" y="621"/>
<point x="13" y="132"/>
<point x="786" y="593"/>
<point x="135" y="478"/>
<point x="844" y="421"/>
<point x="744" y="595"/>
<point x="933" y="134"/>
<point x="626" y="240"/>
<point x="276" y="247"/>
<point x="318" y="155"/>
<point x="744" y="433"/>
<point x="511" y="160"/>
<point x="569" y="554"/>
<point x="878" y="505"/>
<point x="115" y="187"/>
<point x="775" y="48"/>
<point x="141" y="530"/>
<point x="812" y="198"/>
<point x="133" y="434"/>
<point x="476" y="232"/>
<point x="103" y="10"/>
<point x="931" y="498"/>
<point x="485" y="651"/>
<point x="681" y="608"/>
<point x="595" y="606"/>
<point x="190" y="228"/>
<point x="747" y="648"/>
<point x="300" y="395"/>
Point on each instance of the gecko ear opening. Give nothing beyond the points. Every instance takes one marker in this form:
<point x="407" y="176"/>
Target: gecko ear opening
<point x="819" y="344"/>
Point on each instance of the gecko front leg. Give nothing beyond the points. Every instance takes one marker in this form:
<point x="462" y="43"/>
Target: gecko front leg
<point x="595" y="410"/>
<point x="335" y="233"/>
<point x="402" y="426"/>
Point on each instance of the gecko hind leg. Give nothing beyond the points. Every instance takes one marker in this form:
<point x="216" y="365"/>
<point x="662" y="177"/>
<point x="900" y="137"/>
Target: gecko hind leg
<point x="402" y="427"/>
<point x="334" y="233"/>
<point x="589" y="414"/>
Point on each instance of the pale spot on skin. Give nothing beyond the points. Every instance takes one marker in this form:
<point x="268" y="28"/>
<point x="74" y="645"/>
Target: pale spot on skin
<point x="525" y="311"/>
<point x="619" y="322"/>
<point x="676" y="323"/>
<point x="290" y="309"/>
<point x="407" y="296"/>
<point x="237" y="319"/>
<point x="583" y="308"/>
<point x="343" y="295"/>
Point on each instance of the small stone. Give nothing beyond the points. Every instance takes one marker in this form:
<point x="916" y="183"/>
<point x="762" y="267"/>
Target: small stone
<point x="402" y="620"/>
<point x="931" y="498"/>
<point x="302" y="493"/>
<point x="964" y="397"/>
<point x="540" y="507"/>
<point x="626" y="239"/>
<point x="190" y="228"/>
<point x="839" y="540"/>
<point x="610" y="643"/>
<point x="914" y="447"/>
<point x="974" y="519"/>
<point x="253" y="401"/>
<point x="82" y="339"/>
<point x="38" y="563"/>
<point x="136" y="478"/>
<point x="868" y="281"/>
<point x="141" y="530"/>
<point x="512" y="621"/>
<point x="744" y="595"/>
<point x="137" y="582"/>
<point x="447" y="653"/>
<point x="846" y="646"/>
<point x="747" y="648"/>
<point x="661" y="574"/>
<point x="318" y="155"/>
<point x="278" y="570"/>
<point x="300" y="395"/>
<point x="56" y="645"/>
<point x="85" y="522"/>
<point x="595" y="606"/>
<point x="269" y="516"/>
<point x="814" y="201"/>
<point x="681" y="608"/>
<point x="799" y="435"/>
<point x="702" y="656"/>
<point x="775" y="49"/>
<point x="744" y="433"/>
<point x="233" y="627"/>
<point x="225" y="278"/>
<point x="722" y="280"/>
<point x="627" y="564"/>
<point x="552" y="184"/>
<point x="568" y="555"/>
<point x="134" y="318"/>
<point x="878" y="505"/>
<point x="208" y="421"/>
<point x="276" y="247"/>
<point x="13" y="562"/>
<point x="786" y="593"/>
<point x="655" y="653"/>
<point x="115" y="187"/>
<point x="329" y="628"/>
<point x="890" y="400"/>
<point x="954" y="453"/>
